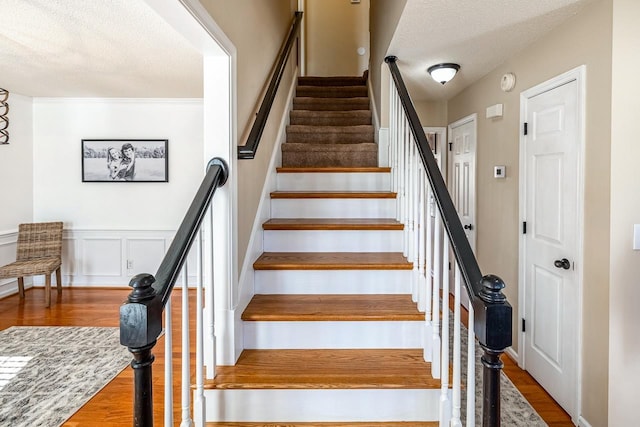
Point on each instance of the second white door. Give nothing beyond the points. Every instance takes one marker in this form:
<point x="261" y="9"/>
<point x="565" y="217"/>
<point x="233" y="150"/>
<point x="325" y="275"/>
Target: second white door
<point x="550" y="276"/>
<point x="463" y="173"/>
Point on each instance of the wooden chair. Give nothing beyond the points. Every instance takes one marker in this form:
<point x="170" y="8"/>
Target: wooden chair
<point x="39" y="252"/>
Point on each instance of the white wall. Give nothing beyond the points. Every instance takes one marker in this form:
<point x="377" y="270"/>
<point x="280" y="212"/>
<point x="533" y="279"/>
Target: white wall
<point x="16" y="181"/>
<point x="113" y="230"/>
<point x="624" y="339"/>
<point x="16" y="169"/>
<point x="60" y="194"/>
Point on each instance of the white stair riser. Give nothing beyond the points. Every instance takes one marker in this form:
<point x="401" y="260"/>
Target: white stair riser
<point x="267" y="335"/>
<point x="321" y="405"/>
<point x="333" y="282"/>
<point x="333" y="241"/>
<point x="333" y="208"/>
<point x="334" y="181"/>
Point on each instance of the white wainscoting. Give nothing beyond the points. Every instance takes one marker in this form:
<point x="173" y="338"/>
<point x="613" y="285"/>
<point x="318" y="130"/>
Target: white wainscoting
<point x="8" y="241"/>
<point x="100" y="258"/>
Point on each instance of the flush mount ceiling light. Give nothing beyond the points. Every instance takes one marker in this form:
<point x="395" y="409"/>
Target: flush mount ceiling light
<point x="442" y="73"/>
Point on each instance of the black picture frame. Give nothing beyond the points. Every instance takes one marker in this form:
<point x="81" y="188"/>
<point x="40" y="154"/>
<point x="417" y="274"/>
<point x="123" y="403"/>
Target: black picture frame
<point x="106" y="160"/>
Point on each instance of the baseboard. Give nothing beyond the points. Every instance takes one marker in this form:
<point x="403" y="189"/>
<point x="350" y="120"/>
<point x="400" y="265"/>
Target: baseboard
<point x="582" y="422"/>
<point x="9" y="287"/>
<point x="513" y="355"/>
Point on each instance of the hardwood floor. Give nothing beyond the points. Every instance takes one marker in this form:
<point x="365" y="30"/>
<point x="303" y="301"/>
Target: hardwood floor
<point x="113" y="405"/>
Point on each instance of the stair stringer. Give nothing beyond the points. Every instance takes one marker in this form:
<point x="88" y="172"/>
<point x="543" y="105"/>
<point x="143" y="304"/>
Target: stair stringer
<point x="255" y="247"/>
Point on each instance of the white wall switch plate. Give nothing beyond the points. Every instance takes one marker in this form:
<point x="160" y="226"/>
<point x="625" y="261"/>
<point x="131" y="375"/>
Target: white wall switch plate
<point x="636" y="237"/>
<point x="499" y="171"/>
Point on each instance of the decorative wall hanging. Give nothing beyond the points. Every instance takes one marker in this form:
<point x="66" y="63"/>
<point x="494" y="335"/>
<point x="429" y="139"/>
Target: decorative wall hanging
<point x="125" y="160"/>
<point x="4" y="116"/>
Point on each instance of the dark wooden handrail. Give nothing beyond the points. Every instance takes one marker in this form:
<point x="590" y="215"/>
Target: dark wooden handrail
<point x="492" y="311"/>
<point x="141" y="314"/>
<point x="248" y="151"/>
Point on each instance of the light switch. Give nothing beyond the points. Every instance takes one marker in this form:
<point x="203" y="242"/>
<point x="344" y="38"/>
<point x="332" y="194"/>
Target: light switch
<point x="499" y="171"/>
<point x="636" y="237"/>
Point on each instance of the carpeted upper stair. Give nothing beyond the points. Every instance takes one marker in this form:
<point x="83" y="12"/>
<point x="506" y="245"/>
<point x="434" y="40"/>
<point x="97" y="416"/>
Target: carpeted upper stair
<point x="330" y="124"/>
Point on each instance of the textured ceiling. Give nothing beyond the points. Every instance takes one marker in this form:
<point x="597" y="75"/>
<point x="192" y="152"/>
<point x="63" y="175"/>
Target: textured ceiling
<point x="477" y="34"/>
<point x="122" y="48"/>
<point x="94" y="48"/>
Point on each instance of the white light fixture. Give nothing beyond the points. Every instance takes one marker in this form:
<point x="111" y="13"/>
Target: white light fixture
<point x="442" y="73"/>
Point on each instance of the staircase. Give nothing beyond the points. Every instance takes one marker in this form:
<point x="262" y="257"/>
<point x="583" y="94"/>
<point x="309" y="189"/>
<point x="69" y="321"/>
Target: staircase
<point x="330" y="124"/>
<point x="331" y="336"/>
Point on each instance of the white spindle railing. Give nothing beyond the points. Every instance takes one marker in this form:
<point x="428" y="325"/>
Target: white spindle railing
<point x="199" y="400"/>
<point x="204" y="335"/>
<point x="141" y="317"/>
<point x="426" y="244"/>
<point x="186" y="420"/>
<point x="168" y="366"/>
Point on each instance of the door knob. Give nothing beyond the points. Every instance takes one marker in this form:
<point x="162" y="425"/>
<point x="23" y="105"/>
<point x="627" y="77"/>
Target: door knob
<point x="468" y="227"/>
<point x="562" y="263"/>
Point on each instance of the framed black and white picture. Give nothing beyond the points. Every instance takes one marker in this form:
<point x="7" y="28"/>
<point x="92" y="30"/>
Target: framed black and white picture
<point x="125" y="160"/>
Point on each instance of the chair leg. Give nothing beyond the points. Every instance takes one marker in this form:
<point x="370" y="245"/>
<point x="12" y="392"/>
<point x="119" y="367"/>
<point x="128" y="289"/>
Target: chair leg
<point x="59" y="279"/>
<point x="47" y="290"/>
<point x="21" y="286"/>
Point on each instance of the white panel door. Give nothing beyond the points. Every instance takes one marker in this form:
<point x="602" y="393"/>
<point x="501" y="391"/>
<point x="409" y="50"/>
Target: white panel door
<point x="551" y="241"/>
<point x="463" y="174"/>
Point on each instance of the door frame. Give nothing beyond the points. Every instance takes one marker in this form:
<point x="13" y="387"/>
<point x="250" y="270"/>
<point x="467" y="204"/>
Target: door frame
<point x="579" y="75"/>
<point x="463" y="121"/>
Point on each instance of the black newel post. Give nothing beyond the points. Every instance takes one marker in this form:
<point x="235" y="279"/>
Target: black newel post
<point x="494" y="338"/>
<point x="140" y="325"/>
<point x="492" y="365"/>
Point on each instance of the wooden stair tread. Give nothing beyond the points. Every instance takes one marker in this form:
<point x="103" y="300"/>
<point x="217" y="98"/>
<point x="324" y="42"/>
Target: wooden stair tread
<point x="320" y="424"/>
<point x="332" y="308"/>
<point x="332" y="261"/>
<point x="333" y="195"/>
<point x="332" y="224"/>
<point x="333" y="170"/>
<point x="327" y="369"/>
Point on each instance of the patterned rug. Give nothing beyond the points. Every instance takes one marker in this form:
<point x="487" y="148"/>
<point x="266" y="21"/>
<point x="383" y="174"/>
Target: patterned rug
<point x="515" y="410"/>
<point x="48" y="373"/>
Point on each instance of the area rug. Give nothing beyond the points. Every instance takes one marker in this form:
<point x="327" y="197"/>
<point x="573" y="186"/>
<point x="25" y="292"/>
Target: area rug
<point x="515" y="410"/>
<point x="48" y="373"/>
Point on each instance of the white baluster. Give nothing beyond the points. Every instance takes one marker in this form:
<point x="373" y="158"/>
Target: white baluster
<point x="393" y="136"/>
<point x="445" y="402"/>
<point x="168" y="366"/>
<point x="399" y="175"/>
<point x="199" y="401"/>
<point x="407" y="176"/>
<point x="417" y="225"/>
<point x="435" y="299"/>
<point x="456" y="404"/>
<point x="392" y="127"/>
<point x="422" y="307"/>
<point x="413" y="253"/>
<point x="186" y="359"/>
<point x="471" y="371"/>
<point x="401" y="172"/>
<point x="210" y="349"/>
<point x="428" y="279"/>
